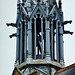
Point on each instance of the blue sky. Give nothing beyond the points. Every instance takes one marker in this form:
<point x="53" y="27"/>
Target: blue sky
<point x="8" y="46"/>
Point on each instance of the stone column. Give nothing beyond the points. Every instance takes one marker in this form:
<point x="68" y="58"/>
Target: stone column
<point x="47" y="31"/>
<point x="52" y="34"/>
<point x="42" y="38"/>
<point x="18" y="45"/>
<point x="34" y="38"/>
<point x="57" y="42"/>
<point x="61" y="44"/>
<point x="29" y="57"/>
<point x="21" y="42"/>
<point x="25" y="49"/>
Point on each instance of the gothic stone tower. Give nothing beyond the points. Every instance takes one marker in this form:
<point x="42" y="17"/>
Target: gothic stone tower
<point x="40" y="29"/>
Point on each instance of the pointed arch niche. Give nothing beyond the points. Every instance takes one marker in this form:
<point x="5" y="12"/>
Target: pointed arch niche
<point x="38" y="32"/>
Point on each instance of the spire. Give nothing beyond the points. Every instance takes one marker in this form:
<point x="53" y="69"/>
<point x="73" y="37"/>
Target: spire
<point x="47" y="6"/>
<point x="38" y="0"/>
<point x="18" y="7"/>
<point x="23" y="0"/>
<point x="42" y="2"/>
<point x="29" y="6"/>
<point x="52" y="2"/>
<point x="60" y="4"/>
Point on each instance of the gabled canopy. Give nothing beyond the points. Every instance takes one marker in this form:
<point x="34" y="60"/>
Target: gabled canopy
<point x="38" y="10"/>
<point x="19" y="16"/>
<point x="55" y="10"/>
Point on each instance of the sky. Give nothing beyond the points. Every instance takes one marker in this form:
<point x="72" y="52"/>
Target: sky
<point x="8" y="13"/>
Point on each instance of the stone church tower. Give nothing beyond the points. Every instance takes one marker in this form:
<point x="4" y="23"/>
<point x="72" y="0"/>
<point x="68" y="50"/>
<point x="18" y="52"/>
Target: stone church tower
<point x="40" y="29"/>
